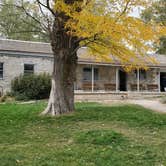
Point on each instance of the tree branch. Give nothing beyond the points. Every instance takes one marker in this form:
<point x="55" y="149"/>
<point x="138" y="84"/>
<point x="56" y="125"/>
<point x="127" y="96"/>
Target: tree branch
<point x="49" y="7"/>
<point x="90" y="40"/>
<point x="41" y="10"/>
<point x="124" y="10"/>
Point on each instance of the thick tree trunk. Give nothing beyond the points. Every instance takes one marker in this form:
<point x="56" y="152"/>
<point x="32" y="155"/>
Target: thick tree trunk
<point x="61" y="98"/>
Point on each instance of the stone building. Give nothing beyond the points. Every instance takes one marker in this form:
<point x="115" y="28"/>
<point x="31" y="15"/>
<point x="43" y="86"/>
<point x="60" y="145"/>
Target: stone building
<point x="19" y="57"/>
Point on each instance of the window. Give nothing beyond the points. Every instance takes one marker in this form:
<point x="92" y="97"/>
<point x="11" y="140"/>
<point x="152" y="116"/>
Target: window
<point x="1" y="70"/>
<point x="28" y="68"/>
<point x="87" y="74"/>
<point x="142" y="74"/>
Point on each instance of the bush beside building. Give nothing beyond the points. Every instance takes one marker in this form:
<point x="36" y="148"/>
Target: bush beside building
<point x="31" y="86"/>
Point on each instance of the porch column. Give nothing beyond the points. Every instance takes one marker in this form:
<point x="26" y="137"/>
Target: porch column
<point x="158" y="75"/>
<point x="92" y="78"/>
<point x="138" y="80"/>
<point x="117" y="79"/>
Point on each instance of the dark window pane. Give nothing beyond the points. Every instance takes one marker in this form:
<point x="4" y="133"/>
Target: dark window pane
<point x="1" y="70"/>
<point x="1" y="74"/>
<point x="87" y="69"/>
<point x="28" y="68"/>
<point x="96" y="74"/>
<point x="1" y="66"/>
<point x="87" y="74"/>
<point x="142" y="74"/>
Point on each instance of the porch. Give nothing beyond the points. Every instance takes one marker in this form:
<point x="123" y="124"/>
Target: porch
<point x="92" y="78"/>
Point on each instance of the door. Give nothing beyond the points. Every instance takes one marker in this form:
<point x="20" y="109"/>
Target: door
<point x="122" y="81"/>
<point x="163" y="81"/>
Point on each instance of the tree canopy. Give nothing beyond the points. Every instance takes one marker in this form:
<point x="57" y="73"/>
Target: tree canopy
<point x="106" y="27"/>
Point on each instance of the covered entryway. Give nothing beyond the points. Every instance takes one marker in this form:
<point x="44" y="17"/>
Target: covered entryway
<point x="122" y="80"/>
<point x="163" y="81"/>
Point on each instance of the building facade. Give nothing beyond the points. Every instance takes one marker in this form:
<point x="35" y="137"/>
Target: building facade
<point x="19" y="57"/>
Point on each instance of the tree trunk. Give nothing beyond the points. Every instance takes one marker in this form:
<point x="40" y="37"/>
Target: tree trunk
<point x="61" y="98"/>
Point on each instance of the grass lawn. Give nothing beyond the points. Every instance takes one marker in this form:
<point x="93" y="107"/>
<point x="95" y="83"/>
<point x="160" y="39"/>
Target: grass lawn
<point x="94" y="135"/>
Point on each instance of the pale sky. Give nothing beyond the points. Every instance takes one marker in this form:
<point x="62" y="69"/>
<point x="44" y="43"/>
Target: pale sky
<point x="136" y="12"/>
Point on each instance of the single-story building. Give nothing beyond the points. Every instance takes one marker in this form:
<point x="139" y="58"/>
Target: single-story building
<point x="19" y="57"/>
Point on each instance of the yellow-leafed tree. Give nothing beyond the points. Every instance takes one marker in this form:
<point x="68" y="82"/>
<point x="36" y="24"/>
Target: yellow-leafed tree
<point x="108" y="30"/>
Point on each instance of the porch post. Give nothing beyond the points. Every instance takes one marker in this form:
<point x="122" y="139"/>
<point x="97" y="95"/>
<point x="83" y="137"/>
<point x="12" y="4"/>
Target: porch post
<point x="159" y="79"/>
<point x="92" y="78"/>
<point x="117" y="79"/>
<point x="138" y="80"/>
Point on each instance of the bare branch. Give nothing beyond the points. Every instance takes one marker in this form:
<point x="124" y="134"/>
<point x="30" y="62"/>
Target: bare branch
<point x="41" y="10"/>
<point x="124" y="10"/>
<point x="49" y="7"/>
<point x="44" y="15"/>
<point x="38" y="1"/>
<point x="28" y="14"/>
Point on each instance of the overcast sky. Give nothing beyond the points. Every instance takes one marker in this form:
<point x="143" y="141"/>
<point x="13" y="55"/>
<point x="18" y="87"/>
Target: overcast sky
<point x="136" y="12"/>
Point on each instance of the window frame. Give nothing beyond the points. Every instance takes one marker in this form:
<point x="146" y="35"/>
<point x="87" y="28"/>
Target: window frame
<point x="142" y="74"/>
<point x="26" y="71"/>
<point x="89" y="69"/>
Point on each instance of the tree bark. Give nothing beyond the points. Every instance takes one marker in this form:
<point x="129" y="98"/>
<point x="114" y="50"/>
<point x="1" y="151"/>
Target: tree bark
<point x="61" y="98"/>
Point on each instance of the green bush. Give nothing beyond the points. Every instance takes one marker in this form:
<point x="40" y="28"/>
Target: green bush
<point x="31" y="86"/>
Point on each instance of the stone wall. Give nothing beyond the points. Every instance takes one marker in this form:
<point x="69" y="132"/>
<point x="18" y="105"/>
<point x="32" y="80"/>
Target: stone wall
<point x="14" y="66"/>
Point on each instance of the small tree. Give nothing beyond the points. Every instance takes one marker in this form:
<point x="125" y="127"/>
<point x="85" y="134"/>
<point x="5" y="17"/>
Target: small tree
<point x="157" y="12"/>
<point x="105" y="27"/>
<point x="15" y="24"/>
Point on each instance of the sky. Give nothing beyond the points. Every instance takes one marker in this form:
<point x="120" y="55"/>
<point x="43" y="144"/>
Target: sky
<point x="136" y="12"/>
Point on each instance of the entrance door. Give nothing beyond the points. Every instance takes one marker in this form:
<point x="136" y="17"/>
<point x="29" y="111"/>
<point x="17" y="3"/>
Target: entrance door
<point x="122" y="80"/>
<point x="163" y="81"/>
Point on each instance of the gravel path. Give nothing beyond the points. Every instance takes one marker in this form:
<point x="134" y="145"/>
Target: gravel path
<point x="154" y="105"/>
<point x="150" y="104"/>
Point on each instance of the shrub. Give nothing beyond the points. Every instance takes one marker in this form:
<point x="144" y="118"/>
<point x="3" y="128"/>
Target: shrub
<point x="31" y="86"/>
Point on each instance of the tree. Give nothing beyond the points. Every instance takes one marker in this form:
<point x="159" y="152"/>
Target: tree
<point x="104" y="27"/>
<point x="15" y="24"/>
<point x="157" y="13"/>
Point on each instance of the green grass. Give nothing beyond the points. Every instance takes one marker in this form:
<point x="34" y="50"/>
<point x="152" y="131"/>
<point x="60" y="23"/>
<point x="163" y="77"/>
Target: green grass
<point x="94" y="135"/>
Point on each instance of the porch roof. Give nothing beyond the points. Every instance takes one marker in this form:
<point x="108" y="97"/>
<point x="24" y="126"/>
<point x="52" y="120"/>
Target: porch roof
<point x="8" y="46"/>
